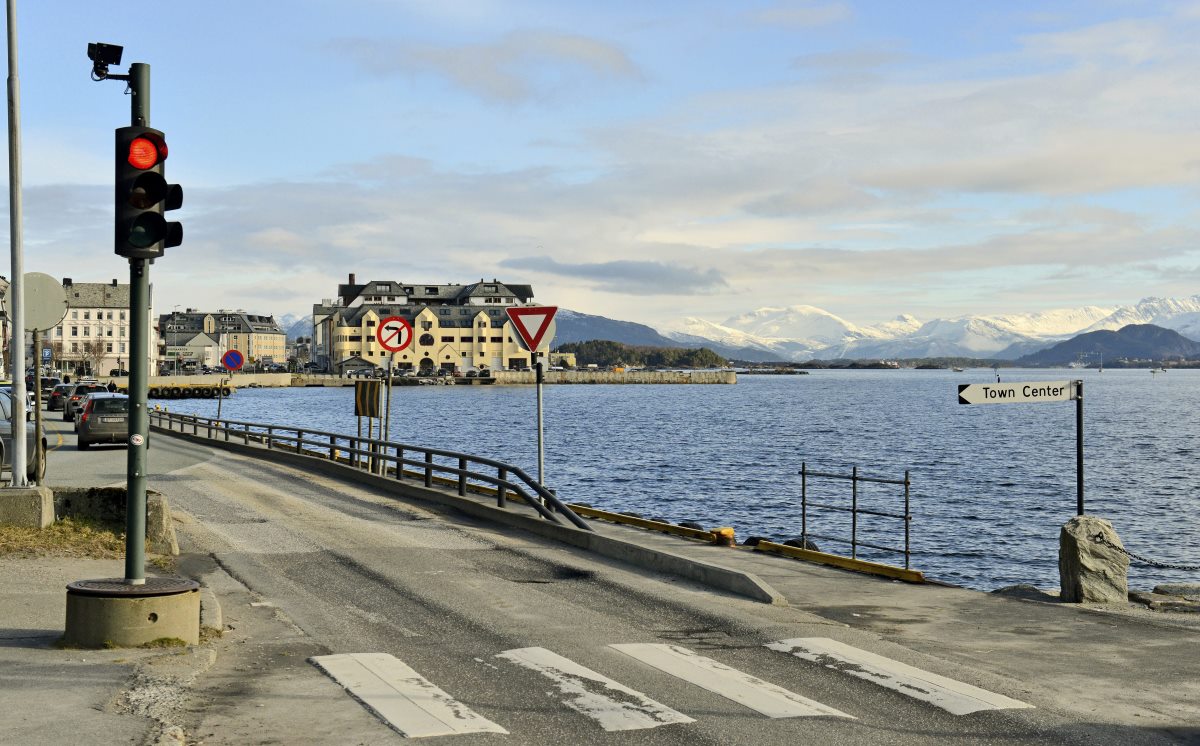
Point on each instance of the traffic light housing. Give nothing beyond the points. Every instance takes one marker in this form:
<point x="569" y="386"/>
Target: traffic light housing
<point x="143" y="195"/>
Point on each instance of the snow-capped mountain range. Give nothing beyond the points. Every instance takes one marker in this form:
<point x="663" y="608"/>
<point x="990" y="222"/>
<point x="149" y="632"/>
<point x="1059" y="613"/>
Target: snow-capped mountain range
<point x="806" y="332"/>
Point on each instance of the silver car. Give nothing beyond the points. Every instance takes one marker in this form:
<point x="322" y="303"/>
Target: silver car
<point x="74" y="399"/>
<point x="104" y="418"/>
<point x="6" y="408"/>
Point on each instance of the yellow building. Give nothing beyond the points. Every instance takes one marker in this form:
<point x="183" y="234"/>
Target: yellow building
<point x="455" y="327"/>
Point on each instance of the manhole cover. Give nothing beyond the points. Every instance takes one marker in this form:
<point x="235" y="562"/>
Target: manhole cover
<point x="118" y="587"/>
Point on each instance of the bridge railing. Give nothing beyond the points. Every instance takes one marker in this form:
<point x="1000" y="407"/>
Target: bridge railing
<point x="399" y="461"/>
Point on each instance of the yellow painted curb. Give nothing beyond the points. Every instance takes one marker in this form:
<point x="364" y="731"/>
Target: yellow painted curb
<point x="846" y="563"/>
<point x="669" y="528"/>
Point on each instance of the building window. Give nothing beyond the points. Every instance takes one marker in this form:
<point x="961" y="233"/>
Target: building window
<point x="121" y="315"/>
<point x="426" y="340"/>
<point x="108" y="332"/>
<point x="75" y="314"/>
<point x="108" y="315"/>
<point x="496" y="339"/>
<point x="370" y="322"/>
<point x="87" y="331"/>
<point x="443" y="311"/>
<point x="74" y="347"/>
<point x="74" y="331"/>
<point x="451" y="339"/>
<point x="108" y="347"/>
<point x="121" y="347"/>
<point x="430" y="291"/>
<point x="87" y="315"/>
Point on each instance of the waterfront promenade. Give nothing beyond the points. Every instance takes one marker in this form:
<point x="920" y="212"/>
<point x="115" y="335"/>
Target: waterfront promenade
<point x="304" y="563"/>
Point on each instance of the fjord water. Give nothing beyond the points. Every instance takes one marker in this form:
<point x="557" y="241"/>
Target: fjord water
<point x="991" y="485"/>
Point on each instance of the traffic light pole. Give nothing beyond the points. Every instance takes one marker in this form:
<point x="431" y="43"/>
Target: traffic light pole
<point x="139" y="330"/>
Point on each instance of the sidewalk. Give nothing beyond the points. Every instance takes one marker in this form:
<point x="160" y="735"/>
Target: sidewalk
<point x="54" y="696"/>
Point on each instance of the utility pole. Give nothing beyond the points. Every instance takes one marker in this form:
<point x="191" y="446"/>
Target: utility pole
<point x="17" y="288"/>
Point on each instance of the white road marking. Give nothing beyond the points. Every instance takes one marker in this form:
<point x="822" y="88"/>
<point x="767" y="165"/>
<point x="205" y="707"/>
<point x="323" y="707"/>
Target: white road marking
<point x="761" y="696"/>
<point x="953" y="696"/>
<point x="401" y="697"/>
<point x="612" y="705"/>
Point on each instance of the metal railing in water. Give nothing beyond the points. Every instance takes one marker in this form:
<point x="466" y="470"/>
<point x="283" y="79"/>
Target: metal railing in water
<point x="384" y="458"/>
<point x="854" y="510"/>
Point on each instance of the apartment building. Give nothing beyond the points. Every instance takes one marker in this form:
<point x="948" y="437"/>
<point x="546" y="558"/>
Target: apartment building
<point x="194" y="337"/>
<point x="454" y="326"/>
<point x="94" y="336"/>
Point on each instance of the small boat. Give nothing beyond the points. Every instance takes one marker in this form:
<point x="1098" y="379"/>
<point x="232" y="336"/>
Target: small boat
<point x="957" y="370"/>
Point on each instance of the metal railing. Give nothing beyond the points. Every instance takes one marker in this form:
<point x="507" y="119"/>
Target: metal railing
<point x="854" y="510"/>
<point x="399" y="461"/>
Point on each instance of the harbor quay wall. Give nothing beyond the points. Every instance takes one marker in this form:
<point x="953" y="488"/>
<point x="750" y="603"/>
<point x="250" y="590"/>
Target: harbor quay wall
<point x="502" y="377"/>
<point x="608" y="376"/>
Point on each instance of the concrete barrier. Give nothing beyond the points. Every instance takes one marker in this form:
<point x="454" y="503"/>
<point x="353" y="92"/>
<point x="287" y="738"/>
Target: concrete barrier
<point x="108" y="504"/>
<point x="607" y="376"/>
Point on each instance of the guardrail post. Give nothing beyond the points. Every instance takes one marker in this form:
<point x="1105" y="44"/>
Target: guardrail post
<point x="399" y="462"/>
<point x="299" y="441"/>
<point x="854" y="512"/>
<point x="270" y="437"/>
<point x="907" y="519"/>
<point x="428" y="469"/>
<point x="804" y="504"/>
<point x="501" y="489"/>
<point x="333" y="448"/>
<point x="462" y="476"/>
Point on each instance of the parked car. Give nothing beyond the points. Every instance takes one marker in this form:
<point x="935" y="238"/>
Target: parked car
<point x="6" y="407"/>
<point x="104" y="418"/>
<point x="75" y="399"/>
<point x="118" y="372"/>
<point x="7" y="387"/>
<point x="59" y="394"/>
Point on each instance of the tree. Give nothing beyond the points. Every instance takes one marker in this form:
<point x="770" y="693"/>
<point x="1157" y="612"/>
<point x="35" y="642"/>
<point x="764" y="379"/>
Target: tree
<point x="93" y="353"/>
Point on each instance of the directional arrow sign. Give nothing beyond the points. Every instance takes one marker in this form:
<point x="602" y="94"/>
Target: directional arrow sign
<point x="394" y="334"/>
<point x="1015" y="393"/>
<point x="532" y="323"/>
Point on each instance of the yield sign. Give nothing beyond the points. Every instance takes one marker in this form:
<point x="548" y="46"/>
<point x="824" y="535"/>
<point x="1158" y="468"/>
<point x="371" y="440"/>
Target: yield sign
<point x="532" y="323"/>
<point x="394" y="334"/>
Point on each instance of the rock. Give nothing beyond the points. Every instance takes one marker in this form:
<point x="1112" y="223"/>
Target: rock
<point x="1164" y="602"/>
<point x="1026" y="592"/>
<point x="1091" y="572"/>
<point x="1190" y="591"/>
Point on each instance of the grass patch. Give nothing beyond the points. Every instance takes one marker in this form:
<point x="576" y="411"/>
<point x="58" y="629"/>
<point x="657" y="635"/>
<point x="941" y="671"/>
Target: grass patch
<point x="70" y="537"/>
<point x="164" y="642"/>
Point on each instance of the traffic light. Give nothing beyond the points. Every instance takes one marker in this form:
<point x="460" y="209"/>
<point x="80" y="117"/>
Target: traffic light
<point x="143" y="194"/>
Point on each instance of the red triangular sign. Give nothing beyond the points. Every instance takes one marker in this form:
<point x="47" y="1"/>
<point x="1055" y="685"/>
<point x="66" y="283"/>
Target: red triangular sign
<point x="531" y="323"/>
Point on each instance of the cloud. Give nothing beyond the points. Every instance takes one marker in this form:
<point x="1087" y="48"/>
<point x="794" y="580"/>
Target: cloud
<point x="518" y="67"/>
<point x="631" y="277"/>
<point x="804" y="14"/>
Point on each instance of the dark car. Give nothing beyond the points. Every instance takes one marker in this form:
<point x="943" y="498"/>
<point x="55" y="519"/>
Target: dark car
<point x="104" y="418"/>
<point x="30" y="441"/>
<point x="74" y="399"/>
<point x="58" y="395"/>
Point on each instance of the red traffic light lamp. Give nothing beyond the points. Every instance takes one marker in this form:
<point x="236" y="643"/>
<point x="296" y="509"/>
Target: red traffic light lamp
<point x="143" y="195"/>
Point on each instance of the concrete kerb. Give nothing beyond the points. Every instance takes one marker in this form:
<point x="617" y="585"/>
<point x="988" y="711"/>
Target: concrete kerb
<point x="716" y="576"/>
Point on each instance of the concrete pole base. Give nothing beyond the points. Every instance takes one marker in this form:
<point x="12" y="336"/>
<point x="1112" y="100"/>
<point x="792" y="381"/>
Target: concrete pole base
<point x="32" y="506"/>
<point x="112" y="614"/>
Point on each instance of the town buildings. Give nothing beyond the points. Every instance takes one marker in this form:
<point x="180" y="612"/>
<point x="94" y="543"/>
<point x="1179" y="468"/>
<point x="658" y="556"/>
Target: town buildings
<point x="193" y="338"/>
<point x="454" y="326"/>
<point x="93" y="338"/>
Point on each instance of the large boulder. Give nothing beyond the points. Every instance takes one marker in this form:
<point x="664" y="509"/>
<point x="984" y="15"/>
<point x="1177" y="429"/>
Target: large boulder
<point x="1091" y="571"/>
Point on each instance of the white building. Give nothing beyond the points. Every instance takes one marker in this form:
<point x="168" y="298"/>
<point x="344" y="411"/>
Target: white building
<point x="94" y="337"/>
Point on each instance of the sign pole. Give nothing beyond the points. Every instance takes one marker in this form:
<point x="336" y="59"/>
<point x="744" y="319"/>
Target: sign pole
<point x="540" y="431"/>
<point x="39" y="452"/>
<point x="1079" y="447"/>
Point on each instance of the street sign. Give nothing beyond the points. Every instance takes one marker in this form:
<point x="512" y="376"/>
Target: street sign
<point x="532" y="324"/>
<point x="232" y="360"/>
<point x="394" y="334"/>
<point x="1015" y="393"/>
<point x="47" y="353"/>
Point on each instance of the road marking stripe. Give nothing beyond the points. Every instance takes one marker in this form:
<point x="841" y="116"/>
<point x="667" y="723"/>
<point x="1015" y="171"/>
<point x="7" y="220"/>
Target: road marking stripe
<point x="612" y="705"/>
<point x="716" y="677"/>
<point x="953" y="696"/>
<point x="401" y="697"/>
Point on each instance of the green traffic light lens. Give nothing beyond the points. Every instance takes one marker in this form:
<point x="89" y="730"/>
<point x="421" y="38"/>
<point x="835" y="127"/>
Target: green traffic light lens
<point x="146" y="230"/>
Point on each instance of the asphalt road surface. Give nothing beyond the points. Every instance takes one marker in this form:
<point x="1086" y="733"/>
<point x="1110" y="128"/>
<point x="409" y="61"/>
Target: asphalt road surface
<point x="450" y="628"/>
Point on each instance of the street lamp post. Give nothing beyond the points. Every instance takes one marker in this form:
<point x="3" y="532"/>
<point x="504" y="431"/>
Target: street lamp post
<point x="175" y="335"/>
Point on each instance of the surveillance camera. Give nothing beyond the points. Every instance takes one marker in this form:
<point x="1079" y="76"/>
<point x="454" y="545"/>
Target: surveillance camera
<point x="104" y="55"/>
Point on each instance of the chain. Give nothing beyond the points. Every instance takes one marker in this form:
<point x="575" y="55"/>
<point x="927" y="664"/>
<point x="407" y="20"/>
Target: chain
<point x="1099" y="539"/>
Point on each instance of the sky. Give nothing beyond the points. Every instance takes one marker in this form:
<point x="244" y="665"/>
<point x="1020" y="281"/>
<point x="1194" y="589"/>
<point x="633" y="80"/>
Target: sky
<point x="645" y="161"/>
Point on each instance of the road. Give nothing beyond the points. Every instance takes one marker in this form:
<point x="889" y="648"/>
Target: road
<point x="514" y="639"/>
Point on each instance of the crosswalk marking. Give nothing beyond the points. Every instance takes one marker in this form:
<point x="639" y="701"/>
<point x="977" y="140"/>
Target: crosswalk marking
<point x="400" y="696"/>
<point x="953" y="696"/>
<point x="761" y="696"/>
<point x="614" y="706"/>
